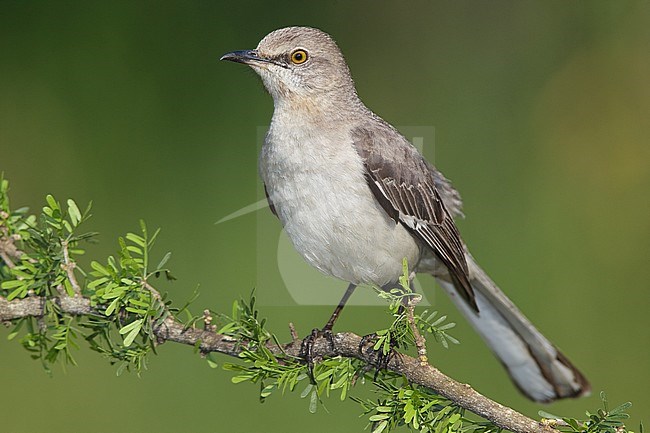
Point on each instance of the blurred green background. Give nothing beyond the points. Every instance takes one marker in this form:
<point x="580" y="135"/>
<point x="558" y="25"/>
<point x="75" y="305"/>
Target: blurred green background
<point x="541" y="114"/>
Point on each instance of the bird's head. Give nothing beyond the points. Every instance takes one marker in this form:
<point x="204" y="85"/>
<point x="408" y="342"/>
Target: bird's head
<point x="297" y="63"/>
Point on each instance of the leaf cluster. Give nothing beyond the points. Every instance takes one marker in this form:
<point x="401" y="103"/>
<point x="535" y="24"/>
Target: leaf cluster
<point x="604" y="420"/>
<point x="129" y="306"/>
<point x="38" y="267"/>
<point x="43" y="263"/>
<point x="282" y="372"/>
<point x="399" y="335"/>
<point x="399" y="403"/>
<point x="404" y="404"/>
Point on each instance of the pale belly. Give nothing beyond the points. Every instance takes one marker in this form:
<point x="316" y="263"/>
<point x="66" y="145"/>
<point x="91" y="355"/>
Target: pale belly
<point x="333" y="220"/>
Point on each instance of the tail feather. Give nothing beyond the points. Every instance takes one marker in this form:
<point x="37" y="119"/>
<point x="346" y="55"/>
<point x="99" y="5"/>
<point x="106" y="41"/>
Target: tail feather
<point x="534" y="364"/>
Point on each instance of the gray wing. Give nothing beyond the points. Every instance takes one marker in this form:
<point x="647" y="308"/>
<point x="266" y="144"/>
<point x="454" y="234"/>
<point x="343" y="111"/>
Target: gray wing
<point x="405" y="186"/>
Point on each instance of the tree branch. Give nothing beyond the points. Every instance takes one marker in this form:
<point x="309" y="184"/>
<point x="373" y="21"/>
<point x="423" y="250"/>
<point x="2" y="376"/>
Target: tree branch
<point x="342" y="344"/>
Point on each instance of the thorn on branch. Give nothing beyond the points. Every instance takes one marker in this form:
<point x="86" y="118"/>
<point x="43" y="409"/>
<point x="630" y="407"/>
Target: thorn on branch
<point x="207" y="321"/>
<point x="68" y="266"/>
<point x="294" y="334"/>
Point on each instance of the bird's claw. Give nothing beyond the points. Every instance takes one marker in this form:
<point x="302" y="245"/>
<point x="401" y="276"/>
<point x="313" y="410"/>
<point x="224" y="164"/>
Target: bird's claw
<point x="380" y="360"/>
<point x="307" y="349"/>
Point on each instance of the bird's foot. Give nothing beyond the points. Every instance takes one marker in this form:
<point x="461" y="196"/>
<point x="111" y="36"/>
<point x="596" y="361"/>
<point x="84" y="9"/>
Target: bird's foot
<point x="307" y="349"/>
<point x="380" y="358"/>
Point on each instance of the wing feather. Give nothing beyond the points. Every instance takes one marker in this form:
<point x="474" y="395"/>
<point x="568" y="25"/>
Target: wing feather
<point x="405" y="186"/>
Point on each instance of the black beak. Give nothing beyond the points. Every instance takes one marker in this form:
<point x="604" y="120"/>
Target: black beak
<point x="244" y="56"/>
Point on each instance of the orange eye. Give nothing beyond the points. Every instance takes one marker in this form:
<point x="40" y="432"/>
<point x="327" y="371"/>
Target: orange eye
<point x="299" y="56"/>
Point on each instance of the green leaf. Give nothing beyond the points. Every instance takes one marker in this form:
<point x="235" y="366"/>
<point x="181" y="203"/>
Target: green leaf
<point x="240" y="378"/>
<point x="547" y="415"/>
<point x="20" y="291"/>
<point x="306" y="391"/>
<point x="447" y="326"/>
<point x="452" y="339"/>
<point x="313" y="402"/>
<point x="121" y="368"/>
<point x="136" y="239"/>
<point x="10" y="284"/>
<point x="324" y="375"/>
<point x="134" y="249"/>
<point x="227" y="328"/>
<point x="143" y="227"/>
<point x="380" y="427"/>
<point x="68" y="287"/>
<point x="73" y="211"/>
<point x="409" y="412"/>
<point x="52" y="202"/>
<point x="131" y="335"/>
<point x="152" y="239"/>
<point x="620" y="408"/>
<point x="99" y="268"/>
<point x="111" y="307"/>
<point x="384" y="409"/>
<point x="139" y="303"/>
<point x="61" y="345"/>
<point x="98" y="282"/>
<point x="268" y="390"/>
<point x="573" y="423"/>
<point x="164" y="260"/>
<point x="136" y="324"/>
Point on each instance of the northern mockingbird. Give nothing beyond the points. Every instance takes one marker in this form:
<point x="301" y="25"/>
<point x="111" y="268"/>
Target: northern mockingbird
<point x="356" y="198"/>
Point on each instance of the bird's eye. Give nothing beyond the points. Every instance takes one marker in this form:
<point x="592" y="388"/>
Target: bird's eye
<point x="299" y="56"/>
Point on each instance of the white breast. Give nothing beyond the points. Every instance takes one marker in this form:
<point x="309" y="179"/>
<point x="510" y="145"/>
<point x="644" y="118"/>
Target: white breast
<point x="317" y="185"/>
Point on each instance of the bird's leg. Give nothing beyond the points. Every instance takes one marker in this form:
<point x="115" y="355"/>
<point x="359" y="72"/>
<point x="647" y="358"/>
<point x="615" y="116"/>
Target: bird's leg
<point x="307" y="349"/>
<point x="335" y="315"/>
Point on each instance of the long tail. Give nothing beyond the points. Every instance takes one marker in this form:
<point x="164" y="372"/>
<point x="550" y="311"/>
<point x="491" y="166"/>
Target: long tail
<point x="536" y="367"/>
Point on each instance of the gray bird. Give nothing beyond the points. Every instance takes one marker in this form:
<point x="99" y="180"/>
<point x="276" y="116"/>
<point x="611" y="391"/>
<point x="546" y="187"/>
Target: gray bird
<point x="356" y="198"/>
